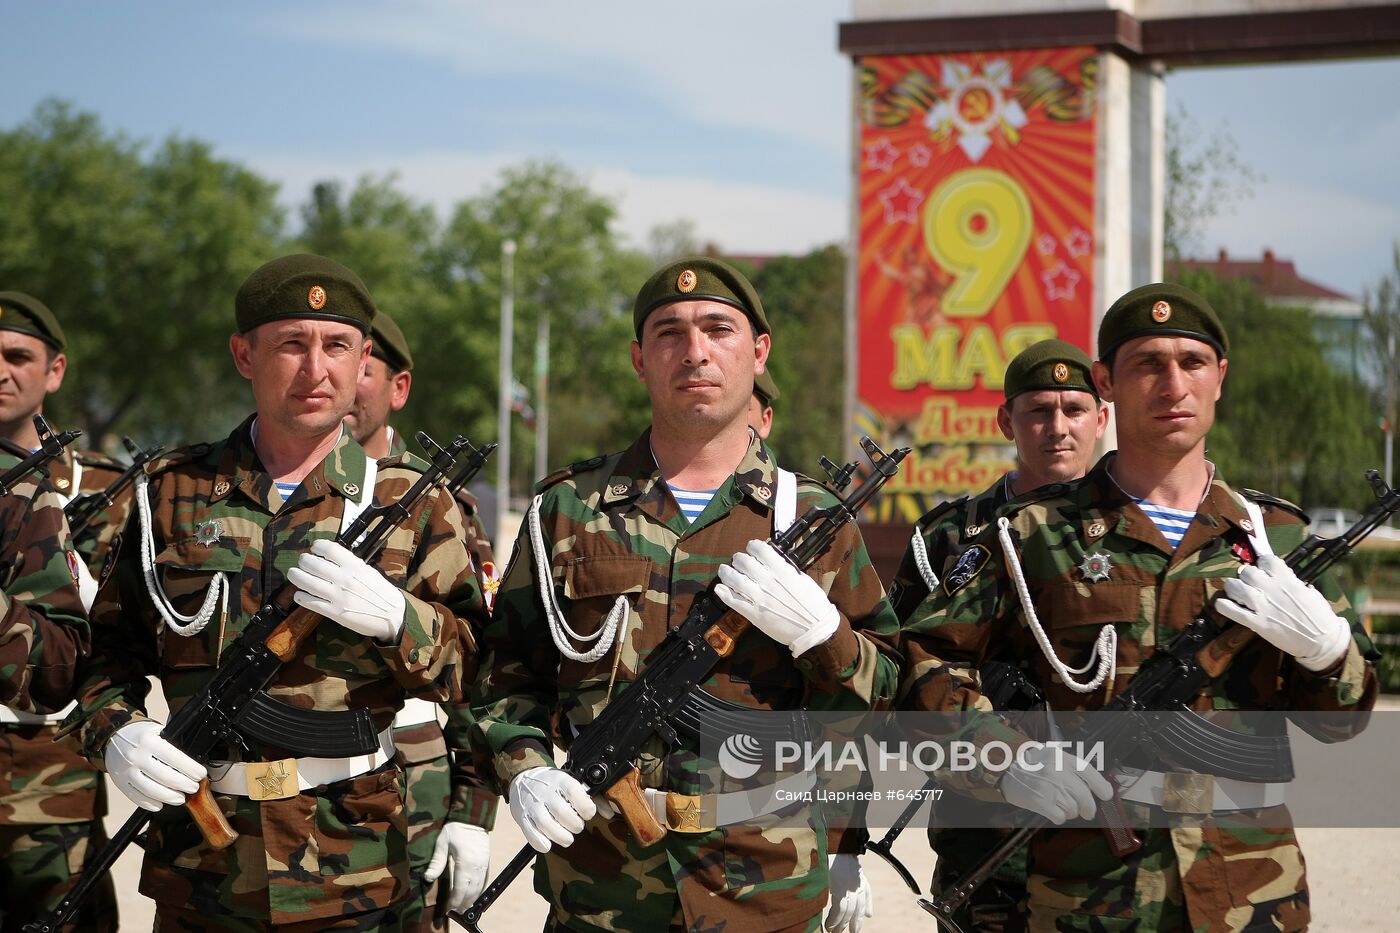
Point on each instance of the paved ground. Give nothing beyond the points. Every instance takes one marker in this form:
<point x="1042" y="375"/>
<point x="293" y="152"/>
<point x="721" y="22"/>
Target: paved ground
<point x="1351" y="872"/>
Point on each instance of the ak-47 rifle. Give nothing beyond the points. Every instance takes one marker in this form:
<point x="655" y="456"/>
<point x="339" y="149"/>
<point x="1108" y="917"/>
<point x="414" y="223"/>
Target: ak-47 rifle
<point x="271" y="638"/>
<point x="1007" y="688"/>
<point x="601" y="757"/>
<point x="50" y="447"/>
<point x="1170" y="679"/>
<point x="82" y="509"/>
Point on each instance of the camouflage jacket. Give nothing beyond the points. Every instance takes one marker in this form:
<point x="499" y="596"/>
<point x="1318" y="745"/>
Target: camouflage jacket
<point x="214" y="509"/>
<point x="93" y="473"/>
<point x="42" y="633"/>
<point x="472" y="800"/>
<point x="943" y="530"/>
<point x="612" y="528"/>
<point x="43" y="630"/>
<point x="1150" y="593"/>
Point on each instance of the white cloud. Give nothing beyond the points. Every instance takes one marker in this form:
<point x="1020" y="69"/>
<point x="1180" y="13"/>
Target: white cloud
<point x="740" y="218"/>
<point x="769" y="66"/>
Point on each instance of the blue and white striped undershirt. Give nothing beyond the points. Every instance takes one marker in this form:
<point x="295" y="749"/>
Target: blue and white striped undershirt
<point x="1172" y="523"/>
<point x="286" y="489"/>
<point x="692" y="501"/>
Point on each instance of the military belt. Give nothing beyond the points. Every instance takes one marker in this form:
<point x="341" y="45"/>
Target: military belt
<point x="287" y="777"/>
<point x="704" y="813"/>
<point x="13" y="716"/>
<point x="1188" y="792"/>
<point x="415" y="711"/>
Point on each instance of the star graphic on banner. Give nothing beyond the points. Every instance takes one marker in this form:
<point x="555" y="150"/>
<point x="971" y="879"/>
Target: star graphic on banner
<point x="1079" y="242"/>
<point x="1046" y="244"/>
<point x="881" y="156"/>
<point x="976" y="105"/>
<point x="901" y="202"/>
<point x="920" y="155"/>
<point x="1059" y="282"/>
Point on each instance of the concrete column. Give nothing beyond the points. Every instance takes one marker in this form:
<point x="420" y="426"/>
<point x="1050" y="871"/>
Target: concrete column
<point x="1131" y="175"/>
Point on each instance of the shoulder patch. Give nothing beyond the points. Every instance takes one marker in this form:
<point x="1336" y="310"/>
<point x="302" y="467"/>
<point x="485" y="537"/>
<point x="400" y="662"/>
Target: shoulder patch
<point x="936" y="514"/>
<point x="1263" y="498"/>
<point x="573" y="469"/>
<point x="969" y="565"/>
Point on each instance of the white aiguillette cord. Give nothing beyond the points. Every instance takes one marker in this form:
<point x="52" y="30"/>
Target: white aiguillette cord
<point x="559" y="628"/>
<point x="1105" y="646"/>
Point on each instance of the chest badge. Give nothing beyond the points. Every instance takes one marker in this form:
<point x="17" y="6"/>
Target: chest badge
<point x="209" y="532"/>
<point x="1095" y="567"/>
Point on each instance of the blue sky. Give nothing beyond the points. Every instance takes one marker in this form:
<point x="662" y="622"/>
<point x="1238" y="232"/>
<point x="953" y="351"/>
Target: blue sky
<point x="732" y="114"/>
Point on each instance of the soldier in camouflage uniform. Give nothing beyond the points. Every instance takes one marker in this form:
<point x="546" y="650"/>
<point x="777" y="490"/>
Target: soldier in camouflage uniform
<point x="54" y="799"/>
<point x="35" y="340"/>
<point x="1053" y="414"/>
<point x="450" y="809"/>
<point x="765" y="393"/>
<point x="607" y="561"/>
<point x="221" y="527"/>
<point x="1137" y="548"/>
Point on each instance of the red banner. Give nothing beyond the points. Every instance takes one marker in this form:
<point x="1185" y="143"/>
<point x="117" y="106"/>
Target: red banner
<point x="976" y="241"/>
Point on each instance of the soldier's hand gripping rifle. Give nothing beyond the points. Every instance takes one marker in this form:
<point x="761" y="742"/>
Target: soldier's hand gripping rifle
<point x="1170" y="679"/>
<point x="220" y="713"/>
<point x="82" y="509"/>
<point x="601" y="757"/>
<point x="50" y="448"/>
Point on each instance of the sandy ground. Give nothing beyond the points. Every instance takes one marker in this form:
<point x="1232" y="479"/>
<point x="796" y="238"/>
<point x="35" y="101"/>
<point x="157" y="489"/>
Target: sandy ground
<point x="1351" y="872"/>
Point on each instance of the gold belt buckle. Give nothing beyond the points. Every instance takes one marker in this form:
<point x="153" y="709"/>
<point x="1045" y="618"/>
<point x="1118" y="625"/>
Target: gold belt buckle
<point x="1187" y="792"/>
<point x="273" y="780"/>
<point x="689" y="813"/>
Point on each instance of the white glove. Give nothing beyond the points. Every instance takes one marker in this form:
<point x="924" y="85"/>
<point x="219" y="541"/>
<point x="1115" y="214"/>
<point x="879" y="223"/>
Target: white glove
<point x="333" y="582"/>
<point x="851" y="897"/>
<point x="1061" y="787"/>
<point x="781" y="601"/>
<point x="1287" y="613"/>
<point x="150" y="771"/>
<point x="550" y="806"/>
<point x="469" y="849"/>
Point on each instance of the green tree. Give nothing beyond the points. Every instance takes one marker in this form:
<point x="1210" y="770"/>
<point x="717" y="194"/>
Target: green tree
<point x="569" y="265"/>
<point x="804" y="297"/>
<point x="1205" y="177"/>
<point x="1288" y="423"/>
<point x="139" y="255"/>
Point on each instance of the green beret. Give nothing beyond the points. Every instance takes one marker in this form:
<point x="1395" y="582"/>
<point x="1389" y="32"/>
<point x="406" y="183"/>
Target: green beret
<point x="389" y="343"/>
<point x="1161" y="309"/>
<point x="1049" y="364"/>
<point x="698" y="278"/>
<point x="765" y="388"/>
<point x="26" y="314"/>
<point x="303" y="286"/>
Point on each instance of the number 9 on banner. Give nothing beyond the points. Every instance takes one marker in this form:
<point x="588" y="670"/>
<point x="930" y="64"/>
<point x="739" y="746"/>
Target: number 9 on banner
<point x="977" y="226"/>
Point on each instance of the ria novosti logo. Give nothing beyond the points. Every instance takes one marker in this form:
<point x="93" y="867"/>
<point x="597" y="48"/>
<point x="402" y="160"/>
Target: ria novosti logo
<point x="740" y="756"/>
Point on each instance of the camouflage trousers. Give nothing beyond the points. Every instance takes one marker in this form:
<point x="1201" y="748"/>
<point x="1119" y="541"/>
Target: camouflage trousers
<point x="40" y="864"/>
<point x="677" y="925"/>
<point x="427" y="796"/>
<point x="1210" y="878"/>
<point x="328" y="855"/>
<point x="170" y="919"/>
<point x="998" y="906"/>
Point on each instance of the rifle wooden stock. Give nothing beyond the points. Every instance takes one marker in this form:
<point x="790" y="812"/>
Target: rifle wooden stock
<point x="1223" y="648"/>
<point x="205" y="812"/>
<point x="289" y="636"/>
<point x="631" y="801"/>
